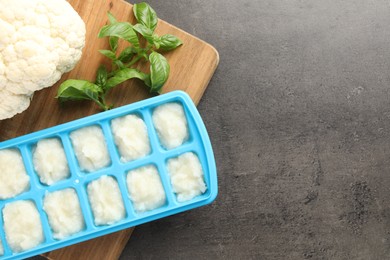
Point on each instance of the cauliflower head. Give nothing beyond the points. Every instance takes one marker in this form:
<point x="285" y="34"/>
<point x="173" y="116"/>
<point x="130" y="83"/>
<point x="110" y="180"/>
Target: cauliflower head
<point x="39" y="41"/>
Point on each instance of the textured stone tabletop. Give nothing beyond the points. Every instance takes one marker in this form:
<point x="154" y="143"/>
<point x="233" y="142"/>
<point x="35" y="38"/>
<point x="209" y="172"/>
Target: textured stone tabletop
<point x="299" y="115"/>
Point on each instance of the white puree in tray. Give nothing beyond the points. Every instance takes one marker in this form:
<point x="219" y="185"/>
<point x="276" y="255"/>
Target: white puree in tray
<point x="50" y="161"/>
<point x="171" y="125"/>
<point x="186" y="176"/>
<point x="1" y="248"/>
<point x="145" y="188"/>
<point x="131" y="137"/>
<point x="13" y="177"/>
<point x="106" y="201"/>
<point x="90" y="148"/>
<point x="64" y="213"/>
<point x="22" y="225"/>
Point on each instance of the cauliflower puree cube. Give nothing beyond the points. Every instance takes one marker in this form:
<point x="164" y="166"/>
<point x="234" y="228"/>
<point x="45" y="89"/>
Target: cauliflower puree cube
<point x="22" y="225"/>
<point x="50" y="161"/>
<point x="13" y="177"/>
<point x="64" y="213"/>
<point x="186" y="176"/>
<point x="131" y="137"/>
<point x="1" y="248"/>
<point x="90" y="148"/>
<point x="106" y="201"/>
<point x="145" y="188"/>
<point x="171" y="125"/>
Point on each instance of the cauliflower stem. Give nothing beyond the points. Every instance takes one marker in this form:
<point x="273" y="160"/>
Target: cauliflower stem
<point x="143" y="44"/>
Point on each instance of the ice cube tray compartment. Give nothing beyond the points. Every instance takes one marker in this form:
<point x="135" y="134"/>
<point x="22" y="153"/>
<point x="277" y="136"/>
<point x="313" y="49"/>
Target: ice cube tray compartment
<point x="198" y="143"/>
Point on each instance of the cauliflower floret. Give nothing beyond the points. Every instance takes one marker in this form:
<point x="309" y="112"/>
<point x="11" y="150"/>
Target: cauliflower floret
<point x="39" y="41"/>
<point x="2" y="73"/>
<point x="11" y="104"/>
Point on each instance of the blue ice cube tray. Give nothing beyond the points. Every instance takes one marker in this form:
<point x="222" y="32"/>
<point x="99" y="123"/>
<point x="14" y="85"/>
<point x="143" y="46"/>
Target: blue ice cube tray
<point x="198" y="143"/>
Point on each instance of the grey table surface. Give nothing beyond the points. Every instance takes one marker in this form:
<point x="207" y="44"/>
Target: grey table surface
<point x="298" y="113"/>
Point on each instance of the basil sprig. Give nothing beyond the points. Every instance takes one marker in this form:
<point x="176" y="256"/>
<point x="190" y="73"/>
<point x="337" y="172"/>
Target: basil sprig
<point x="123" y="63"/>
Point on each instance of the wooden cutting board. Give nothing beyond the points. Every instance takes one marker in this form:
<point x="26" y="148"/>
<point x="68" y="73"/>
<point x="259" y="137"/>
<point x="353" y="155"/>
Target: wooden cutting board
<point x="192" y="66"/>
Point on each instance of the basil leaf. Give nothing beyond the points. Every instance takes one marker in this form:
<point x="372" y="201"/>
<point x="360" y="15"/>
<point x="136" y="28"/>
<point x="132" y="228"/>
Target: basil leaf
<point x="143" y="54"/>
<point x="119" y="64"/>
<point x="109" y="54"/>
<point x="159" y="70"/>
<point x="145" y="15"/>
<point x="111" y="18"/>
<point x="112" y="40"/>
<point x="127" y="54"/>
<point x="77" y="90"/>
<point x="156" y="41"/>
<point x="101" y="76"/>
<point x="123" y="30"/>
<point x="125" y="74"/>
<point x="169" y="42"/>
<point x="144" y="31"/>
<point x="148" y="81"/>
<point x="113" y="43"/>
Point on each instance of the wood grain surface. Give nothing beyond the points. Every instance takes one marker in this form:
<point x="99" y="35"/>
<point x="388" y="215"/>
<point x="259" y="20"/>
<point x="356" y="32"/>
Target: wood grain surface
<point x="192" y="66"/>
